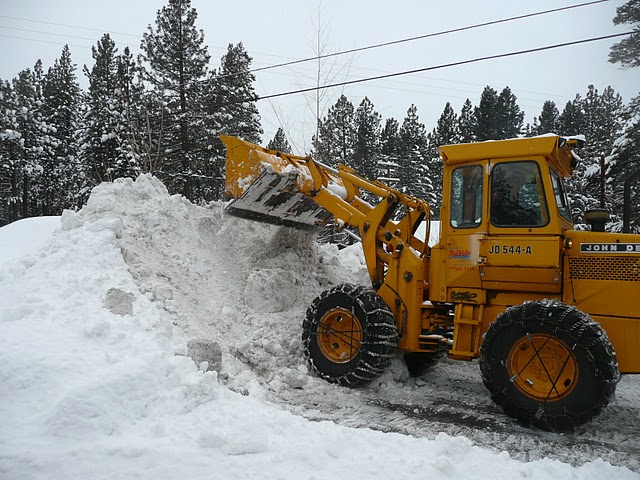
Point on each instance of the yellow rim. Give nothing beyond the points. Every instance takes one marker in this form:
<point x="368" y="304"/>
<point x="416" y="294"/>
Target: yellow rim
<point x="543" y="367"/>
<point x="339" y="335"/>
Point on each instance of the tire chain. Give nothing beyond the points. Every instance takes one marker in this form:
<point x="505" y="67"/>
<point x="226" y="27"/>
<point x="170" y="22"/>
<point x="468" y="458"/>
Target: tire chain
<point x="372" y="363"/>
<point x="585" y="326"/>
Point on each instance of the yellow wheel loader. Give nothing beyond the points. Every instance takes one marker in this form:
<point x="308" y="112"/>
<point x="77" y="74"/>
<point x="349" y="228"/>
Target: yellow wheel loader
<point x="551" y="313"/>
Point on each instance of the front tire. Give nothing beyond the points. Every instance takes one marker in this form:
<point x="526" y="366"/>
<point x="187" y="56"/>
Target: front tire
<point x="349" y="335"/>
<point x="548" y="365"/>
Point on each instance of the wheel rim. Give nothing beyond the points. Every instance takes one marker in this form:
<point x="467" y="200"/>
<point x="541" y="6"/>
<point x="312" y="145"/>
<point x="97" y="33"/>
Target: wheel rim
<point x="339" y="335"/>
<point x="543" y="367"/>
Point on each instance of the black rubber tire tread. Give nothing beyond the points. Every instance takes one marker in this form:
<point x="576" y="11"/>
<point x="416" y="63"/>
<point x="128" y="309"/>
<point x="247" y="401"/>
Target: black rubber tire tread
<point x="598" y="372"/>
<point x="379" y="335"/>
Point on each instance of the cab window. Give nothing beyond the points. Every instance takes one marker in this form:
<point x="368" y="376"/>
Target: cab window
<point x="466" y="196"/>
<point x="517" y="195"/>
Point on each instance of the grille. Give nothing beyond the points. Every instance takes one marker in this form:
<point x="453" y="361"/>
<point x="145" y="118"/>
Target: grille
<point x="624" y="269"/>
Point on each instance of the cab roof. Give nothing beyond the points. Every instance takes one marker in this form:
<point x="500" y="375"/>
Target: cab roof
<point x="555" y="148"/>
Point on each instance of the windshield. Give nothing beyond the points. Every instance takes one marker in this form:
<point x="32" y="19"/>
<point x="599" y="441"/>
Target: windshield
<point x="517" y="195"/>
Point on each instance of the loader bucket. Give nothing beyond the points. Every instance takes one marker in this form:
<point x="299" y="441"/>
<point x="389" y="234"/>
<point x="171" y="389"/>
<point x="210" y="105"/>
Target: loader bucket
<point x="267" y="186"/>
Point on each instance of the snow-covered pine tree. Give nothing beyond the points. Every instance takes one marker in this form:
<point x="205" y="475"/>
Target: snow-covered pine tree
<point x="413" y="171"/>
<point x="62" y="176"/>
<point x="279" y="142"/>
<point x="602" y="126"/>
<point x="597" y="117"/>
<point x="624" y="161"/>
<point x="237" y="113"/>
<point x="336" y="144"/>
<point x="176" y="60"/>
<point x="105" y="149"/>
<point x="626" y="152"/>
<point x="231" y="107"/>
<point x="35" y="133"/>
<point x="389" y="152"/>
<point x="447" y="132"/>
<point x="627" y="50"/>
<point x="132" y="152"/>
<point x="337" y="138"/>
<point x="572" y="122"/>
<point x="366" y="152"/>
<point x="11" y="155"/>
<point x="467" y="123"/>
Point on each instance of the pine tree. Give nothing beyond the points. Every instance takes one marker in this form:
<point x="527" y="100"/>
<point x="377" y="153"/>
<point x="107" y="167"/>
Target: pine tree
<point x="62" y="176"/>
<point x="367" y="144"/>
<point x="413" y="172"/>
<point x="498" y="116"/>
<point x="177" y="62"/>
<point x="35" y="134"/>
<point x="129" y="93"/>
<point x="106" y="150"/>
<point x="487" y="117"/>
<point x="626" y="151"/>
<point x="389" y="152"/>
<point x="627" y="51"/>
<point x="11" y="154"/>
<point x="596" y="117"/>
<point x="447" y="132"/>
<point x="602" y="126"/>
<point x="571" y="121"/>
<point x="337" y="137"/>
<point x="510" y="117"/>
<point x="625" y="161"/>
<point x="548" y="121"/>
<point x="231" y="105"/>
<point x="279" y="142"/>
<point x="467" y="123"/>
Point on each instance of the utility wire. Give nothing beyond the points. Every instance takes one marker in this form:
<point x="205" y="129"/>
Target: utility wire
<point x="419" y="37"/>
<point x="334" y="54"/>
<point x="47" y="33"/>
<point x="66" y="25"/>
<point x="435" y="67"/>
<point x="42" y="41"/>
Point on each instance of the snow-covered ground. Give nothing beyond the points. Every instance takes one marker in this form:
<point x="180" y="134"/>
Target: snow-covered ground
<point x="95" y="381"/>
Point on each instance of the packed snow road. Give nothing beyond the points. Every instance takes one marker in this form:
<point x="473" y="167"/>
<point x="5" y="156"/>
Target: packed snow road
<point x="246" y="286"/>
<point x="452" y="399"/>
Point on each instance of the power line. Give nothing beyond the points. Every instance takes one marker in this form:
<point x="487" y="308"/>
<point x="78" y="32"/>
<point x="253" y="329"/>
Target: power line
<point x="420" y="37"/>
<point x="437" y="67"/>
<point x="47" y="33"/>
<point x="42" y="41"/>
<point x="68" y="26"/>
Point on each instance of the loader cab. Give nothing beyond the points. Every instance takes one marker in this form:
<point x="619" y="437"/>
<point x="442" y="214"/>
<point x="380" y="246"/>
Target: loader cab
<point x="503" y="218"/>
<point x="501" y="194"/>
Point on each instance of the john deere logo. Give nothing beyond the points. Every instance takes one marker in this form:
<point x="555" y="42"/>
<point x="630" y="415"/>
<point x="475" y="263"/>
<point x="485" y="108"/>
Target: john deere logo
<point x="610" y="247"/>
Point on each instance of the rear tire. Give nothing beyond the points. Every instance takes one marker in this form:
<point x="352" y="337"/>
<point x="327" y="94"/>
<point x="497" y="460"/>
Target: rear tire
<point x="548" y="365"/>
<point x="349" y="335"/>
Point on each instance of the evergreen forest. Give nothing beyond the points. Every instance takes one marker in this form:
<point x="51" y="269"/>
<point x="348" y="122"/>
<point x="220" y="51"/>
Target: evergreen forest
<point x="161" y="113"/>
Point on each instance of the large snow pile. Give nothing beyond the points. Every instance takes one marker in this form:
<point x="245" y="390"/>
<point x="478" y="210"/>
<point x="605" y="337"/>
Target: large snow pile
<point x="94" y="378"/>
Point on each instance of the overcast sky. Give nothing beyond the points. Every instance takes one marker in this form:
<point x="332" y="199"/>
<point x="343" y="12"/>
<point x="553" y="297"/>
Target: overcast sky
<point x="283" y="30"/>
